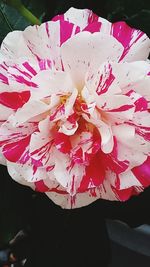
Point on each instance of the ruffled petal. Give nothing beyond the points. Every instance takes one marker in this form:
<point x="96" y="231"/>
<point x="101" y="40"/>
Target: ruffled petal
<point x="86" y="50"/>
<point x="136" y="43"/>
<point x="80" y="17"/>
<point x="29" y="111"/>
<point x="51" y="82"/>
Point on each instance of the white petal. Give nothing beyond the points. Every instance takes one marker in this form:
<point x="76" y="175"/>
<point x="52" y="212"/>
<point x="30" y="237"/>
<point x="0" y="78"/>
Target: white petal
<point x="2" y="159"/>
<point x="44" y="42"/>
<point x="69" y="177"/>
<point x="28" y="111"/>
<point x="11" y="46"/>
<point x="5" y="112"/>
<point x="78" y="17"/>
<point x="131" y="154"/>
<point x="119" y="107"/>
<point x="139" y="50"/>
<point x="70" y="103"/>
<point x="142" y="87"/>
<point x="51" y="82"/>
<point x="142" y="118"/>
<point x="123" y="131"/>
<point x="128" y="73"/>
<point x="19" y="173"/>
<point x="105" y="131"/>
<point x="86" y="50"/>
<point x="128" y="179"/>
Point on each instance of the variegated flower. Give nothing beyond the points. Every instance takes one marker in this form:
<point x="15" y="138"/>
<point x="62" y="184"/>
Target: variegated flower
<point x="74" y="117"/>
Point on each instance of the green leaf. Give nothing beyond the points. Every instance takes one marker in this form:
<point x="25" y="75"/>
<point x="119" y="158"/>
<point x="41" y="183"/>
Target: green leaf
<point x="10" y="19"/>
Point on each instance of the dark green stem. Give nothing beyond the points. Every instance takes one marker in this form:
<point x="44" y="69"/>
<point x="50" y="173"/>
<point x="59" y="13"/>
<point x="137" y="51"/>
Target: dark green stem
<point x="28" y="15"/>
<point x="17" y="4"/>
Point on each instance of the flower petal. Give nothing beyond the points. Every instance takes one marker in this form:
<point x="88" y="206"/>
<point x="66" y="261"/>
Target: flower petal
<point x="80" y="17"/>
<point x="86" y="50"/>
<point x="51" y="82"/>
<point x="136" y="43"/>
<point x="29" y="111"/>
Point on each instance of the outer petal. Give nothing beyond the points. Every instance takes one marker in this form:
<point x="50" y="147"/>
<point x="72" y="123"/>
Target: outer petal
<point x="17" y="174"/>
<point x="142" y="87"/>
<point x="80" y="17"/>
<point x="67" y="174"/>
<point x="11" y="46"/>
<point x="85" y="19"/>
<point x="9" y="134"/>
<point x="129" y="73"/>
<point x="136" y="43"/>
<point x="20" y="75"/>
<point x="82" y="199"/>
<point x="15" y="141"/>
<point x="142" y="173"/>
<point x="128" y="179"/>
<point x="86" y="50"/>
<point x="2" y="159"/>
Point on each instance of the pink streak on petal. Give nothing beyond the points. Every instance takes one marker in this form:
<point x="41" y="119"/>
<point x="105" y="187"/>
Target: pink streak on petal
<point x="14" y="100"/>
<point x="124" y="34"/>
<point x="111" y="161"/>
<point x="13" y="151"/>
<point x="93" y="27"/>
<point x="43" y="153"/>
<point x="58" y="17"/>
<point x="60" y="110"/>
<point x="104" y="84"/>
<point x="47" y="29"/>
<point x="122" y="108"/>
<point x="42" y="64"/>
<point x="95" y="174"/>
<point x="142" y="173"/>
<point x="56" y="190"/>
<point x="66" y="31"/>
<point x="29" y="68"/>
<point x="141" y="103"/>
<point x="4" y="67"/>
<point x="3" y="78"/>
<point x="24" y="73"/>
<point x="92" y="17"/>
<point x="144" y="134"/>
<point x="62" y="143"/>
<point x="24" y="158"/>
<point x="124" y="194"/>
<point x="20" y="79"/>
<point x="73" y="118"/>
<point x="41" y="187"/>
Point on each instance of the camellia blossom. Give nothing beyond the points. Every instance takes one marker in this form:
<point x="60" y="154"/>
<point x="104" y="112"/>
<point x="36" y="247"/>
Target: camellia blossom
<point x="74" y="108"/>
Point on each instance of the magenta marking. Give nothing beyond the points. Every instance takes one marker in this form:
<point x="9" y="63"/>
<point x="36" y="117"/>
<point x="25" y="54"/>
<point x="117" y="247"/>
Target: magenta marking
<point x="29" y="68"/>
<point x="3" y="78"/>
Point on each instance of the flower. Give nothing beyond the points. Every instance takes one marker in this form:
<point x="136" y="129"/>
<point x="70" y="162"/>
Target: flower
<point x="74" y="108"/>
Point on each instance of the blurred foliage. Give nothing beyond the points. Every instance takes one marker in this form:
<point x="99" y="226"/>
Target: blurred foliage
<point x="15" y="199"/>
<point x="10" y="19"/>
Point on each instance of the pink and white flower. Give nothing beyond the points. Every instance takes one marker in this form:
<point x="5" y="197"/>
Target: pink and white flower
<point x="74" y="108"/>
